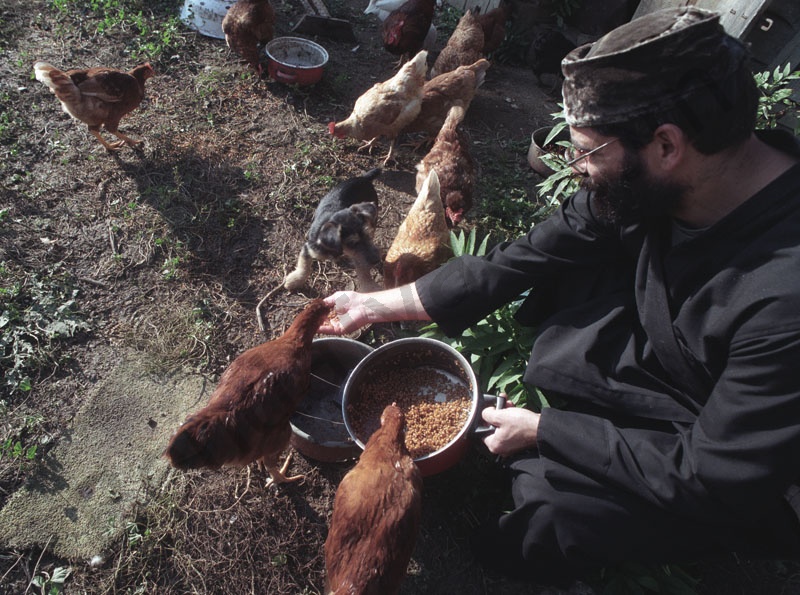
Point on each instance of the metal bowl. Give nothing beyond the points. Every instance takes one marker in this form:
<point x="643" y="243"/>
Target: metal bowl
<point x="412" y="353"/>
<point x="537" y="149"/>
<point x="318" y="430"/>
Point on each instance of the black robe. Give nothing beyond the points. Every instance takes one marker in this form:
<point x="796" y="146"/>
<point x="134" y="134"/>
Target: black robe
<point x="677" y="363"/>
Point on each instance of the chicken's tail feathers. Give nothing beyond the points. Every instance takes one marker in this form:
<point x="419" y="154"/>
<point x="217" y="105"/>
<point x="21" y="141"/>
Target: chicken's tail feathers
<point x="59" y="82"/>
<point x="454" y="117"/>
<point x="431" y="185"/>
<point x="479" y="68"/>
<point x="419" y="63"/>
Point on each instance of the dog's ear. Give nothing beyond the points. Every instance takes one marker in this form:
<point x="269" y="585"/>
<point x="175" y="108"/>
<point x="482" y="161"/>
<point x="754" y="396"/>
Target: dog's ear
<point x="366" y="211"/>
<point x="330" y="238"/>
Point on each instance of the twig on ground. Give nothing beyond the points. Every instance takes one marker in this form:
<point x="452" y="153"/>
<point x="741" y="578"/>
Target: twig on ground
<point x="261" y="324"/>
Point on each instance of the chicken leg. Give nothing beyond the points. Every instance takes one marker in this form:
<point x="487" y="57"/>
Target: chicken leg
<point x="116" y="145"/>
<point x="278" y="475"/>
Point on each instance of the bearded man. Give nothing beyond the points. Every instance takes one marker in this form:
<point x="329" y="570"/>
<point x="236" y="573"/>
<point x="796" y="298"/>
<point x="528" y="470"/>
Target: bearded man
<point x="666" y="293"/>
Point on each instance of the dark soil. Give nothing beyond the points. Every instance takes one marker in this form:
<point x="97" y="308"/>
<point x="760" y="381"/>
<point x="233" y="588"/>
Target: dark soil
<point x="170" y="249"/>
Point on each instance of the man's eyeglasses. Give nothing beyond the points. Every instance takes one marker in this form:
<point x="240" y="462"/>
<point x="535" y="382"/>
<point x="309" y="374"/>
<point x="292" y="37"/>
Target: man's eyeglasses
<point x="579" y="155"/>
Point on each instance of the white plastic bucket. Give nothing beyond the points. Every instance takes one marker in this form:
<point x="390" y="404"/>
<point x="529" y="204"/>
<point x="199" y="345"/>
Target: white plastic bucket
<point x="206" y="16"/>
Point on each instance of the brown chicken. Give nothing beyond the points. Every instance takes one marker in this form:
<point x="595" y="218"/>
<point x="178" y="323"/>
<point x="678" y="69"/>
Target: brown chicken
<point x="247" y="416"/>
<point x="98" y="96"/>
<point x="422" y="241"/>
<point x="464" y="47"/>
<point x="451" y="159"/>
<point x="383" y="8"/>
<point x="493" y="24"/>
<point x="246" y="25"/>
<point x="405" y="29"/>
<point x="386" y="108"/>
<point x="439" y="94"/>
<point x="376" y="516"/>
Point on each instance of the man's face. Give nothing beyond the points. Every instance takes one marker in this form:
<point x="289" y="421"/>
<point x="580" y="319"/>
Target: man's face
<point x="625" y="191"/>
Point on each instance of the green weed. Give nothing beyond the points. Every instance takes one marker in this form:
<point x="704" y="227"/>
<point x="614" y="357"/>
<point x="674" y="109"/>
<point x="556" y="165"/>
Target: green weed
<point x="497" y="347"/>
<point x="153" y="35"/>
<point x="37" y="313"/>
<point x="506" y="210"/>
<point x="52" y="584"/>
<point x="776" y="97"/>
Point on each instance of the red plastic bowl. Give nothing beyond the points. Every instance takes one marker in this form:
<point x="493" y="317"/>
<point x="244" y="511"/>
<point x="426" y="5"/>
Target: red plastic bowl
<point x="295" y="61"/>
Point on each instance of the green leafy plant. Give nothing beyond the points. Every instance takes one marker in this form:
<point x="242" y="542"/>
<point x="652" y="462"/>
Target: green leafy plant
<point x="36" y="313"/>
<point x="153" y="37"/>
<point x="21" y="437"/>
<point x="14" y="449"/>
<point x="506" y="209"/>
<point x="497" y="347"/>
<point x="562" y="182"/>
<point x="52" y="584"/>
<point x="776" y="97"/>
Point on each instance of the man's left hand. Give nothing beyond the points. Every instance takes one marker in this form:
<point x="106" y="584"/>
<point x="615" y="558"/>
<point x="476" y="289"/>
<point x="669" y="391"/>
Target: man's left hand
<point x="515" y="429"/>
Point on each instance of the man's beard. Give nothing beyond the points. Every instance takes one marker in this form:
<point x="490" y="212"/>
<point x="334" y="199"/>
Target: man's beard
<point x="633" y="195"/>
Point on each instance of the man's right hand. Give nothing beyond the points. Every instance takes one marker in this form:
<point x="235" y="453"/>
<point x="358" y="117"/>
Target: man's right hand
<point x="353" y="310"/>
<point x="349" y="313"/>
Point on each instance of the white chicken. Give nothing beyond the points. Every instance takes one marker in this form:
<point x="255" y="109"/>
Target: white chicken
<point x="387" y="107"/>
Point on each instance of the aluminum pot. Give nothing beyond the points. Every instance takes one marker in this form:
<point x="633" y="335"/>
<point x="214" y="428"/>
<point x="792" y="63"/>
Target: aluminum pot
<point x="413" y="353"/>
<point x="318" y="430"/>
<point x="537" y="149"/>
<point x="295" y="61"/>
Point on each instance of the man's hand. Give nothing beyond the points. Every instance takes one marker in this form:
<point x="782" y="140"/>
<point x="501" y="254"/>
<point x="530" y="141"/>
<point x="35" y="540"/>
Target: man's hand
<point x="349" y="313"/>
<point x="353" y="310"/>
<point x="515" y="429"/>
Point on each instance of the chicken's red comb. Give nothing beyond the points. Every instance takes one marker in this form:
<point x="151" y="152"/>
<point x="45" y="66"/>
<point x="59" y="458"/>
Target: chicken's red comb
<point x="332" y="127"/>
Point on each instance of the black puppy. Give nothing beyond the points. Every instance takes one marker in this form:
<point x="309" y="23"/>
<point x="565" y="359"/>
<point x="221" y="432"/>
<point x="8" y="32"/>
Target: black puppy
<point x="343" y="224"/>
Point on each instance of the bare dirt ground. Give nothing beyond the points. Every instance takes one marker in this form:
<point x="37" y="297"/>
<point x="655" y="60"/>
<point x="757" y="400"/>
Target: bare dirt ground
<point x="166" y="252"/>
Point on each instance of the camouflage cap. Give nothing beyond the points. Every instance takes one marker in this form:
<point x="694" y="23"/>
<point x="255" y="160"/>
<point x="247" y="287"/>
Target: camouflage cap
<point x="647" y="65"/>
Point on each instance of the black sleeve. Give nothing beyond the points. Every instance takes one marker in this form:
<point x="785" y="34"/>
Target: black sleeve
<point x="467" y="288"/>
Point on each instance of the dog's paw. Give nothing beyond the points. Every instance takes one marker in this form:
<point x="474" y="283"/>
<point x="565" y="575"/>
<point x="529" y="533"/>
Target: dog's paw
<point x="294" y="280"/>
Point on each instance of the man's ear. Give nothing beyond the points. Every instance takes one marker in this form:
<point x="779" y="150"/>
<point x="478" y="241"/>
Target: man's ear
<point x="668" y="149"/>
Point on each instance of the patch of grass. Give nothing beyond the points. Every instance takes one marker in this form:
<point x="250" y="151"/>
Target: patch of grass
<point x="14" y="127"/>
<point x="505" y="208"/>
<point x="22" y="435"/>
<point x="632" y="578"/>
<point x="178" y="333"/>
<point x="153" y="34"/>
<point x="14" y="450"/>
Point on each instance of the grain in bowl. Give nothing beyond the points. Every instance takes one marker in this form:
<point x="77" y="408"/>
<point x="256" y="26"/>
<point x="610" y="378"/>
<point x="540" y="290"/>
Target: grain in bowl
<point x="436" y="403"/>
